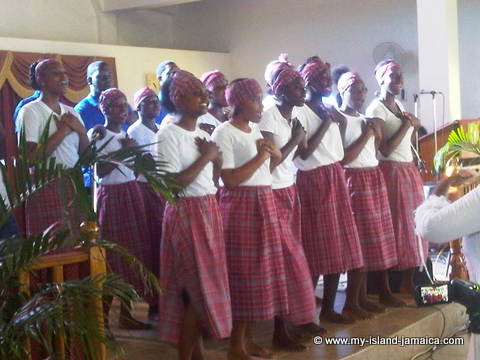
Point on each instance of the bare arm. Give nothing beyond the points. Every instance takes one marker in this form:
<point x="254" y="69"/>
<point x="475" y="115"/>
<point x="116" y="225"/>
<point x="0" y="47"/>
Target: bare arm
<point x="234" y="177"/>
<point x="209" y="151"/>
<point x="285" y="150"/>
<point x="311" y="144"/>
<point x="352" y="151"/>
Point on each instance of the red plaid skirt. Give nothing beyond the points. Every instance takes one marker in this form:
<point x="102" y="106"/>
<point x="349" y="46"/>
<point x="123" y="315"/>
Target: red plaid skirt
<point x="53" y="205"/>
<point x="155" y="206"/>
<point x="256" y="270"/>
<point x="122" y="219"/>
<point x="329" y="233"/>
<point x="405" y="194"/>
<point x="193" y="262"/>
<point x="301" y="296"/>
<point x="372" y="216"/>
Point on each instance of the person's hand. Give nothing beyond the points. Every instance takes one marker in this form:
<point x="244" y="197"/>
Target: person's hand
<point x="376" y="125"/>
<point x="128" y="142"/>
<point x="273" y="149"/>
<point x="298" y="132"/>
<point x="62" y="126"/>
<point x="263" y="148"/>
<point x="73" y="122"/>
<point x="461" y="178"/>
<point x="99" y="132"/>
<point x="207" y="148"/>
<point x="414" y="122"/>
<point x="367" y="128"/>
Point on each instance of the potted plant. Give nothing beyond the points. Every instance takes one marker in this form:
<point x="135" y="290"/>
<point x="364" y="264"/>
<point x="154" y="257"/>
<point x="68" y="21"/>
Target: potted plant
<point x="43" y="310"/>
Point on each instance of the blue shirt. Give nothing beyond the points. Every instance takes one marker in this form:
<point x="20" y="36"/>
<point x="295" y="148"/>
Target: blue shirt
<point x="90" y="112"/>
<point x="163" y="112"/>
<point x="21" y="104"/>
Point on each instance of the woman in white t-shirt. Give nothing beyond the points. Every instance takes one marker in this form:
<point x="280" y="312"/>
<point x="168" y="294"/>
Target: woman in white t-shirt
<point x="215" y="82"/>
<point x="256" y="268"/>
<point x="329" y="234"/>
<point x="144" y="131"/>
<point x="368" y="191"/>
<point x="121" y="210"/>
<point x="193" y="269"/>
<point x="280" y="125"/>
<point x="67" y="138"/>
<point x="404" y="184"/>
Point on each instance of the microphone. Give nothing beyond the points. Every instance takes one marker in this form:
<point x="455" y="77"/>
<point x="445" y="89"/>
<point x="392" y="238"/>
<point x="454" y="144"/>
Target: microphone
<point x="430" y="92"/>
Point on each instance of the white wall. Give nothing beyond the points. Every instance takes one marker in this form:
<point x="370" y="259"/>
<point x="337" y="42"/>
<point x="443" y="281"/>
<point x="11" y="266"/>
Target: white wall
<point x="340" y="31"/>
<point x="133" y="63"/>
<point x="468" y="24"/>
<point x="71" y="20"/>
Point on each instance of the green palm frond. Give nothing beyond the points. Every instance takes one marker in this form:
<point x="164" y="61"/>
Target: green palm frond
<point x="61" y="309"/>
<point x="41" y="311"/>
<point x="458" y="140"/>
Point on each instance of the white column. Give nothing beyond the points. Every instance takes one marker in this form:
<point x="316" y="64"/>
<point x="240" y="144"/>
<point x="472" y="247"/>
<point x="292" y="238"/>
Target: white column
<point x="438" y="60"/>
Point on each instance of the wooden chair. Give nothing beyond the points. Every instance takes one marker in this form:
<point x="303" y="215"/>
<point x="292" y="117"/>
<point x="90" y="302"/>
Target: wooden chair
<point x="97" y="266"/>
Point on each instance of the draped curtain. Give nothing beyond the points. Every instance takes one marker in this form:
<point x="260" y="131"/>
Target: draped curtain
<point x="14" y="85"/>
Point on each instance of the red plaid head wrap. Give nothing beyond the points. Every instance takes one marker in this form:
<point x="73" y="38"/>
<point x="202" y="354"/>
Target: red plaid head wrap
<point x="213" y="79"/>
<point x="386" y="70"/>
<point x="346" y="81"/>
<point x="239" y="91"/>
<point x="312" y="71"/>
<point x="283" y="78"/>
<point x="183" y="83"/>
<point x="107" y="97"/>
<point x="141" y="95"/>
<point x="274" y="66"/>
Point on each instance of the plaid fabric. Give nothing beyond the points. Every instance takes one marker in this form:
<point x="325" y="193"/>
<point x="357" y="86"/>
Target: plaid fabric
<point x="372" y="216"/>
<point x="283" y="78"/>
<point x="154" y="207"/>
<point x="242" y="90"/>
<point x="183" y="83"/>
<point x="256" y="270"/>
<point x="213" y="79"/>
<point x="405" y="194"/>
<point x="193" y="262"/>
<point x="122" y="218"/>
<point x="107" y="98"/>
<point x="53" y="205"/>
<point x="329" y="233"/>
<point x="301" y="296"/>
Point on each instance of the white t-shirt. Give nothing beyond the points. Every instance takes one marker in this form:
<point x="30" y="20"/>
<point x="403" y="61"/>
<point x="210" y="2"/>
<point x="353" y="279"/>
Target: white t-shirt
<point x="34" y="117"/>
<point x="273" y="122"/>
<point x="330" y="149"/>
<point x="121" y="174"/>
<point x="143" y="135"/>
<point x="208" y="119"/>
<point x="176" y="146"/>
<point x="168" y="119"/>
<point x="268" y="101"/>
<point x="238" y="147"/>
<point x="367" y="156"/>
<point x="403" y="151"/>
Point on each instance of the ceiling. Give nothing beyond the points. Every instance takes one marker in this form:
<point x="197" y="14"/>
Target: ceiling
<point x="118" y="5"/>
